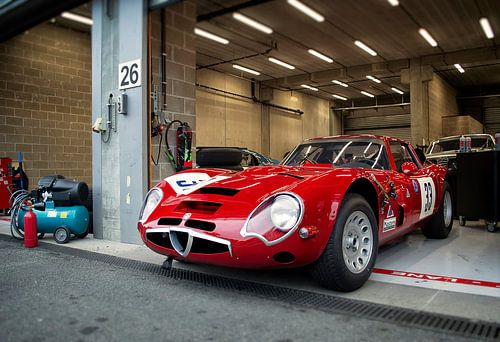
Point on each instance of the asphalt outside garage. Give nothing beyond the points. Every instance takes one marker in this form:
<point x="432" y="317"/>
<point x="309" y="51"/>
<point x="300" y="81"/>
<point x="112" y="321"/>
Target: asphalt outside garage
<point x="48" y="294"/>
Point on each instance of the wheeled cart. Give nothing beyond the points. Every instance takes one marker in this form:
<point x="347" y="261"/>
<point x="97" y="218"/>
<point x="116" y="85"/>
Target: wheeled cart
<point x="478" y="187"/>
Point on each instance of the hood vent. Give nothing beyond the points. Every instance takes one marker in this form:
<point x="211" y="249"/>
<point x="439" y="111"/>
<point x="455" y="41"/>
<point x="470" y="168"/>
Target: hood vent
<point x="218" y="191"/>
<point x="202" y="225"/>
<point x="198" y="207"/>
<point x="169" y="221"/>
<point x="290" y="175"/>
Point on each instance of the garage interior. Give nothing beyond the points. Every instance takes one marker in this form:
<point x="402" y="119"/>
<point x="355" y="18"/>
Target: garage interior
<point x="265" y="75"/>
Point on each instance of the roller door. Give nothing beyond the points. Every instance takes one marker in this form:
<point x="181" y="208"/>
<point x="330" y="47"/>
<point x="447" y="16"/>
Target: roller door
<point x="492" y="120"/>
<point x="397" y="126"/>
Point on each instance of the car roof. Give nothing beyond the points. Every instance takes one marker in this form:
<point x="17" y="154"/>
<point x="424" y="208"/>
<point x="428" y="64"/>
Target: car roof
<point x="472" y="135"/>
<point x="362" y="136"/>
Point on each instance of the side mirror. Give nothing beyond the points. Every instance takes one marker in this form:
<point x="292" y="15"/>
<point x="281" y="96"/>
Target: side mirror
<point x="409" y="168"/>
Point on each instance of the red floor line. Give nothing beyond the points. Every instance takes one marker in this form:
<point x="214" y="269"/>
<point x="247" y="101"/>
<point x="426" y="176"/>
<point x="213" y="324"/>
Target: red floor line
<point x="446" y="279"/>
<point x="5" y="219"/>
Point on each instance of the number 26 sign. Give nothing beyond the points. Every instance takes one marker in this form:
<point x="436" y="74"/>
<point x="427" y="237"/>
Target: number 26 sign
<point x="129" y="74"/>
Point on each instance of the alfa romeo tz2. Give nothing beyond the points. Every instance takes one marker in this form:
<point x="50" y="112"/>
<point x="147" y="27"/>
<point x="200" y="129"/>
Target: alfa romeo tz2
<point x="328" y="206"/>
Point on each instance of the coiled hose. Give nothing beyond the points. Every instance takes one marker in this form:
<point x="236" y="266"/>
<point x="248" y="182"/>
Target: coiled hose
<point x="17" y="200"/>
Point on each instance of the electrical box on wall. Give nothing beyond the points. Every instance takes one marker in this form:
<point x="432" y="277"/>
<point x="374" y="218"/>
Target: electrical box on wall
<point x="121" y="104"/>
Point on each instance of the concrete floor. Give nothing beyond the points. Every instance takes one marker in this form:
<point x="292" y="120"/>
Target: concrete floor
<point x="469" y="252"/>
<point x="49" y="296"/>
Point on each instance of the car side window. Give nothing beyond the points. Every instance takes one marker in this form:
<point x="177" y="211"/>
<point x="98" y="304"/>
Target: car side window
<point x="401" y="154"/>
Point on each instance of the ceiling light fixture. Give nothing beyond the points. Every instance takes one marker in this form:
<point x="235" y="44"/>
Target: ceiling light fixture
<point x="339" y="97"/>
<point x="242" y="68"/>
<point x="308" y="87"/>
<point x="283" y="64"/>
<point x="394" y="3"/>
<point x="426" y="35"/>
<point x="78" y="18"/>
<point x="367" y="93"/>
<point x="320" y="55"/>
<point x="340" y="83"/>
<point x="459" y="68"/>
<point x="488" y="31"/>
<point x="252" y="23"/>
<point x="376" y="80"/>
<point x="365" y="47"/>
<point x="210" y="36"/>
<point x="306" y="10"/>
<point x="396" y="90"/>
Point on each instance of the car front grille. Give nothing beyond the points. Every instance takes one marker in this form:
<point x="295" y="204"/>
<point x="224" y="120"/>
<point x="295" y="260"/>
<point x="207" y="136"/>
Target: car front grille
<point x="185" y="241"/>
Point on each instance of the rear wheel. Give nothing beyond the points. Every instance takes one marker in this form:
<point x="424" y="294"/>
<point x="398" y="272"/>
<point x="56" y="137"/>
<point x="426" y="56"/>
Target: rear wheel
<point x="439" y="226"/>
<point x="350" y="253"/>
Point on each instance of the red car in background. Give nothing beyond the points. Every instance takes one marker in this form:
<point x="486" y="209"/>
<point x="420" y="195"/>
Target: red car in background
<point x="329" y="206"/>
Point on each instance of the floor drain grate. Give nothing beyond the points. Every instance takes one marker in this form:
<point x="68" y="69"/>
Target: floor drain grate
<point x="328" y="303"/>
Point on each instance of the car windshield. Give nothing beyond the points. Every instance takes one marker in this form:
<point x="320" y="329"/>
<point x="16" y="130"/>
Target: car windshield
<point x="353" y="153"/>
<point x="454" y="144"/>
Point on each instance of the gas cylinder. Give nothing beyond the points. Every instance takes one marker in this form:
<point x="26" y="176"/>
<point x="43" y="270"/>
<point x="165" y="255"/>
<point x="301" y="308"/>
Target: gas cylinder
<point x="30" y="230"/>
<point x="462" y="144"/>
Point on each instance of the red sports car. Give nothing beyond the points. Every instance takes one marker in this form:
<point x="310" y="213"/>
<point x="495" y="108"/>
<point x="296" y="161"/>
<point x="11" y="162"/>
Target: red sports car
<point x="329" y="205"/>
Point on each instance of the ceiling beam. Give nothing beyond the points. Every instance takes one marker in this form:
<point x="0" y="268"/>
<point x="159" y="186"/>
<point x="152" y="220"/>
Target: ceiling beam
<point x="235" y="8"/>
<point x="395" y="66"/>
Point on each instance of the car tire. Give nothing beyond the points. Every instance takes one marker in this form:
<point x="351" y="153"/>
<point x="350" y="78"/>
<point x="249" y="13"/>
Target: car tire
<point x="62" y="235"/>
<point x="336" y="270"/>
<point x="439" y="226"/>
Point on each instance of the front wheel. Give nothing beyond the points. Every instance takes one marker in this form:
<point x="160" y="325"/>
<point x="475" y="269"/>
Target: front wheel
<point x="349" y="256"/>
<point x="439" y="226"/>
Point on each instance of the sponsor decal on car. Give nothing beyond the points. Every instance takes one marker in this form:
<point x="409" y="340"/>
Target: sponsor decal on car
<point x="389" y="224"/>
<point x="186" y="183"/>
<point x="415" y="186"/>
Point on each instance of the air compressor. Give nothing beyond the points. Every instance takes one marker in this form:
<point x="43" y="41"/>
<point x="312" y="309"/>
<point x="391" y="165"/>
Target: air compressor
<point x="58" y="204"/>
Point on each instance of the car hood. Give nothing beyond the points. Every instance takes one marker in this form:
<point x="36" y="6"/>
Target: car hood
<point x="240" y="191"/>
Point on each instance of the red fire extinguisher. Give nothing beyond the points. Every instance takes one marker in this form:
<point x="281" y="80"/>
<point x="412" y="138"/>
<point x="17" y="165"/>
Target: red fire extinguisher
<point x="30" y="229"/>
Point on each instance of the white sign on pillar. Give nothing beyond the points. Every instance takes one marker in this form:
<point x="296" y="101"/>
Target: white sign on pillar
<point x="129" y="74"/>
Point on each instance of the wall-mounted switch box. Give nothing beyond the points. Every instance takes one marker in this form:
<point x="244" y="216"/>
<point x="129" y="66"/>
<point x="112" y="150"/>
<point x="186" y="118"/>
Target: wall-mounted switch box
<point x="121" y="104"/>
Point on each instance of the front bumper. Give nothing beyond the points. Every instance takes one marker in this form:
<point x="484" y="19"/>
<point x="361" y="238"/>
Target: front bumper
<point x="187" y="244"/>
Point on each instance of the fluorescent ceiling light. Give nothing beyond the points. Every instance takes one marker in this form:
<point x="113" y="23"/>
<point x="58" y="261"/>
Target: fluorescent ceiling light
<point x="459" y="68"/>
<point x="340" y="83"/>
<point x="210" y="36"/>
<point x="320" y="55"/>
<point x="376" y="80"/>
<point x="394" y="3"/>
<point x="308" y="87"/>
<point x="485" y="24"/>
<point x="77" y="18"/>
<point x="432" y="42"/>
<point x="252" y="23"/>
<point x="339" y="97"/>
<point x="365" y="47"/>
<point x="367" y="93"/>
<point x="242" y="68"/>
<point x="306" y="10"/>
<point x="283" y="64"/>
<point x="396" y="90"/>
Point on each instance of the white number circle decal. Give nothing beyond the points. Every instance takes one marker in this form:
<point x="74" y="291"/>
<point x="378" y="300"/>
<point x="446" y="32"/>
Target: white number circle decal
<point x="427" y="196"/>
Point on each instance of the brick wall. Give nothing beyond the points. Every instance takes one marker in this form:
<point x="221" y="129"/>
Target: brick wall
<point x="45" y="102"/>
<point x="178" y="102"/>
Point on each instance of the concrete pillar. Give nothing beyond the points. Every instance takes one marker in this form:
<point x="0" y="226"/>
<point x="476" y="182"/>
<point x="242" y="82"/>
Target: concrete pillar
<point x="120" y="156"/>
<point x="418" y="76"/>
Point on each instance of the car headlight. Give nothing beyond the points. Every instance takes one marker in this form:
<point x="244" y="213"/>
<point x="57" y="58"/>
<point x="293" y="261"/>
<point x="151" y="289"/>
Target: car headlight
<point x="275" y="219"/>
<point x="285" y="212"/>
<point x="152" y="199"/>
